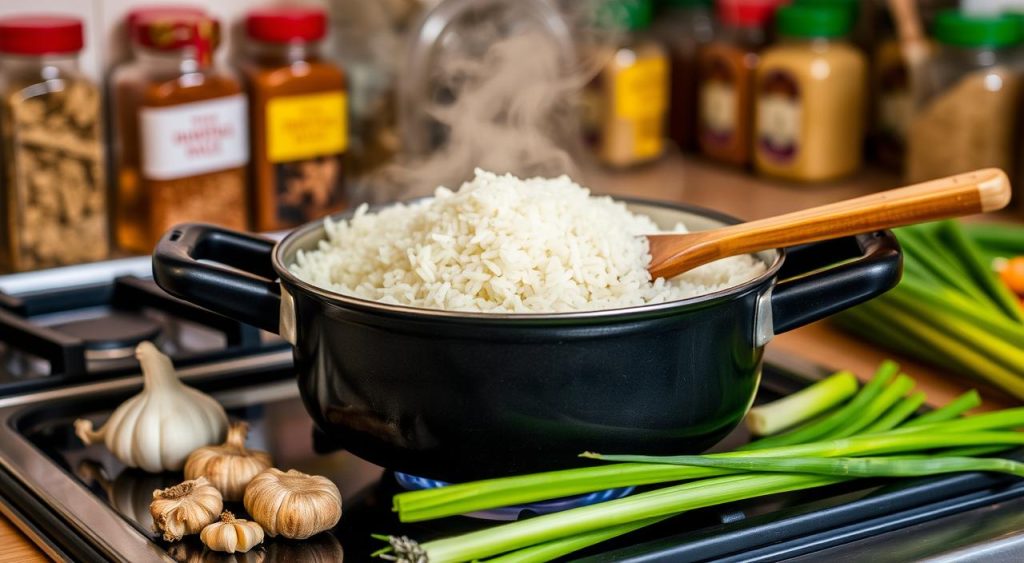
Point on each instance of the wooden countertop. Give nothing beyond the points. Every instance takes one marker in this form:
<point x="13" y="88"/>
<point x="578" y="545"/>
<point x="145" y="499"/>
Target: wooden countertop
<point x="748" y="197"/>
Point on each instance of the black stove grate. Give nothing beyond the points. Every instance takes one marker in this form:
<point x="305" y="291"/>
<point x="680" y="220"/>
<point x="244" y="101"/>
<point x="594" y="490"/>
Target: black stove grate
<point x="68" y="355"/>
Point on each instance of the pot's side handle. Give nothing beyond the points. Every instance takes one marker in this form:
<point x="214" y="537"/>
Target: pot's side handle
<point x="247" y="290"/>
<point x="814" y="288"/>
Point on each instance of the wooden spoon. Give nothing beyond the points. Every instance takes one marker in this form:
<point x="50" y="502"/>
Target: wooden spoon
<point x="963" y="194"/>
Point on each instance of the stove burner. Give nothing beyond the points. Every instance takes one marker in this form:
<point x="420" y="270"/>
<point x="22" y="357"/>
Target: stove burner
<point x="113" y="335"/>
<point x="413" y="483"/>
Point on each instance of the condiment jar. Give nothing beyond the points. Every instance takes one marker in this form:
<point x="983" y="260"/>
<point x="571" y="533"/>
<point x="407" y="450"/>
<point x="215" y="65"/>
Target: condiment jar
<point x="53" y="192"/>
<point x="810" y="98"/>
<point x="726" y="68"/>
<point x="626" y="104"/>
<point x="684" y="27"/>
<point x="182" y="139"/>
<point x="966" y="105"/>
<point x="298" y="110"/>
<point x="890" y="93"/>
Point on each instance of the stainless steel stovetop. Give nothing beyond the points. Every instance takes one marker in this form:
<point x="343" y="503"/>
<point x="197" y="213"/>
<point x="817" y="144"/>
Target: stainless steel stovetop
<point x="81" y="504"/>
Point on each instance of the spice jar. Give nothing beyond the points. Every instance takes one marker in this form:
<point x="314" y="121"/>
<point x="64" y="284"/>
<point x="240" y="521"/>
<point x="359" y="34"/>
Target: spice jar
<point x="726" y="68"/>
<point x="626" y="104"/>
<point x="685" y="26"/>
<point x="299" y="123"/>
<point x="182" y="141"/>
<point x="966" y="103"/>
<point x="810" y="98"/>
<point x="53" y="193"/>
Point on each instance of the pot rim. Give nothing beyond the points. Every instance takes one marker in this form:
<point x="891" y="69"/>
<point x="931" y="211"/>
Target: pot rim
<point x="341" y="299"/>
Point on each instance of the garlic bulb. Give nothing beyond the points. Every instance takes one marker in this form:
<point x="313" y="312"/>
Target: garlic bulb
<point x="157" y="429"/>
<point x="229" y="466"/>
<point x="232" y="534"/>
<point x="293" y="504"/>
<point x="185" y="508"/>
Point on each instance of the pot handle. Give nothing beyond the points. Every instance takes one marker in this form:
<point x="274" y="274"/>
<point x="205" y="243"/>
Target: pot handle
<point x="812" y="287"/>
<point x="247" y="290"/>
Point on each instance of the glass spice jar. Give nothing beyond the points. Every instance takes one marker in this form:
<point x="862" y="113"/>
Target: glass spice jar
<point x="684" y="27"/>
<point x="967" y="100"/>
<point x="726" y="68"/>
<point x="811" y="93"/>
<point x="182" y="139"/>
<point x="299" y="118"/>
<point x="625" y="106"/>
<point x="53" y="193"/>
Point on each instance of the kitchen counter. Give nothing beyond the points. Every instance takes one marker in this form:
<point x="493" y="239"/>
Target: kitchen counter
<point x="747" y="197"/>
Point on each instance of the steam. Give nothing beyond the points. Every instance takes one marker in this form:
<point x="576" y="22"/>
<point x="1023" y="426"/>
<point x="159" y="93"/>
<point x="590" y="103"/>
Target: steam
<point x="506" y="98"/>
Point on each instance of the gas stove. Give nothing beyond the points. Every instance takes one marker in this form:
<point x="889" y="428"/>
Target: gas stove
<point x="79" y="503"/>
<point x="82" y="323"/>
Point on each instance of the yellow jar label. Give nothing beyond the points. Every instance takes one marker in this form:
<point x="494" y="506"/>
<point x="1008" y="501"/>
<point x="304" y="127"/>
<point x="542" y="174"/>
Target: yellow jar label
<point x="306" y="126"/>
<point x="641" y="96"/>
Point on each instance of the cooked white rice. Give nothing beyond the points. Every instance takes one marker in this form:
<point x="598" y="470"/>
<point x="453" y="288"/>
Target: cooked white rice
<point x="505" y="245"/>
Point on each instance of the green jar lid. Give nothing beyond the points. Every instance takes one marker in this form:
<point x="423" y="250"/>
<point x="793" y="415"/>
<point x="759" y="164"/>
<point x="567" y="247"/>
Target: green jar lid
<point x="955" y="28"/>
<point x="851" y="6"/>
<point x="801" y="20"/>
<point x="633" y="15"/>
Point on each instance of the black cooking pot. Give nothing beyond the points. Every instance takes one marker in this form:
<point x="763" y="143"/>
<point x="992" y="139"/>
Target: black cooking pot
<point x="458" y="396"/>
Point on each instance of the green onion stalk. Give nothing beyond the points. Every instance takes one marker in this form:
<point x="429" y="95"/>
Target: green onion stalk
<point x="803" y="405"/>
<point x="881" y="416"/>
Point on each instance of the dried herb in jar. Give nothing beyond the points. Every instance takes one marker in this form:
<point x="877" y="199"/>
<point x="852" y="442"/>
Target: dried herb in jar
<point x="54" y="189"/>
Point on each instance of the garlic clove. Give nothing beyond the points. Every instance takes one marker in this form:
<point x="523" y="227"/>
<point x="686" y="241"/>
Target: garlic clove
<point x="232" y="534"/>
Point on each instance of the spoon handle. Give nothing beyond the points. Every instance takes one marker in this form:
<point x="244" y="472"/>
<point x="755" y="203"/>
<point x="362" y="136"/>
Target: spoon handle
<point x="953" y="196"/>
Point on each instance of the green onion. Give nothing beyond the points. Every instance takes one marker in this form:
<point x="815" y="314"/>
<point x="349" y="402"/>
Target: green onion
<point x="803" y="405"/>
<point x="452" y="500"/>
<point x="644" y="506"/>
<point x="949" y="411"/>
<point x="869" y="444"/>
<point x="835" y="421"/>
<point x="897" y="414"/>
<point x="548" y="551"/>
<point x="966" y="354"/>
<point x="924" y="253"/>
<point x="505" y="491"/>
<point x="980" y="270"/>
<point x="894" y="466"/>
<point x="889" y="397"/>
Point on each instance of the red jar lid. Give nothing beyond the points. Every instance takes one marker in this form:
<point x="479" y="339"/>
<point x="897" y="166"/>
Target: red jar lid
<point x="171" y="31"/>
<point x="170" y="10"/>
<point x="40" y="35"/>
<point x="286" y="24"/>
<point x="748" y="13"/>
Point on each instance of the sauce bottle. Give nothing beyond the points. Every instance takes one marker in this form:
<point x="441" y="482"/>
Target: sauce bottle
<point x="53" y="192"/>
<point x="182" y="138"/>
<point x="810" y="92"/>
<point x="299" y="120"/>
<point x="626" y="104"/>
<point x="684" y="27"/>
<point x="726" y="68"/>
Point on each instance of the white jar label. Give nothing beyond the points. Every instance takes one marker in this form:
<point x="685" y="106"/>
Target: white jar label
<point x="192" y="139"/>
